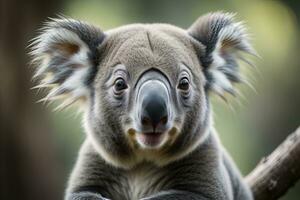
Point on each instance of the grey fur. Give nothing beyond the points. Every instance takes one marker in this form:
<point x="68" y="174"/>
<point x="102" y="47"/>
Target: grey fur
<point x="84" y="62"/>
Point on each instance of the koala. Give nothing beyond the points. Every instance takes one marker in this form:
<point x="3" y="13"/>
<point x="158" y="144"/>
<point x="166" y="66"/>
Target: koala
<point x="144" y="90"/>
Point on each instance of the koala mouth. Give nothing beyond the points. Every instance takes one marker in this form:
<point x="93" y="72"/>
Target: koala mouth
<point x="150" y="139"/>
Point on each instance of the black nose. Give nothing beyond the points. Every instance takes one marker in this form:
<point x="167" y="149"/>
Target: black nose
<point x="154" y="108"/>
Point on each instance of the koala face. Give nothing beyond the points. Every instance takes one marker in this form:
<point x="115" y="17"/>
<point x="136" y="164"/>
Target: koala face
<point x="150" y="93"/>
<point x="145" y="86"/>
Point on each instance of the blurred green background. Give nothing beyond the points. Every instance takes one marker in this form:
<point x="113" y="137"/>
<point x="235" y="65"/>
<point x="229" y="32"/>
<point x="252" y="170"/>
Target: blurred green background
<point x="39" y="146"/>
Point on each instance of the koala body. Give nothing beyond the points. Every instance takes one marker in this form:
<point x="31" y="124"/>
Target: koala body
<point x="147" y="115"/>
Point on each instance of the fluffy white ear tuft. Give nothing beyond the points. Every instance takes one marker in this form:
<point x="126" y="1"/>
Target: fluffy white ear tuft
<point x="66" y="56"/>
<point x="223" y="39"/>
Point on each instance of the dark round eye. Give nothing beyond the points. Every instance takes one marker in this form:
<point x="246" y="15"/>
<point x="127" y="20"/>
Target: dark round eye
<point x="184" y="84"/>
<point x="120" y="85"/>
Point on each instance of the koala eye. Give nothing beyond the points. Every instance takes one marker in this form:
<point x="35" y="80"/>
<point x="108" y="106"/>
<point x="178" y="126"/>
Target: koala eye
<point x="184" y="84"/>
<point x="120" y="85"/>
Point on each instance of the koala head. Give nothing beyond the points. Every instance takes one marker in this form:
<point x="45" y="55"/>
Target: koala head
<point x="144" y="86"/>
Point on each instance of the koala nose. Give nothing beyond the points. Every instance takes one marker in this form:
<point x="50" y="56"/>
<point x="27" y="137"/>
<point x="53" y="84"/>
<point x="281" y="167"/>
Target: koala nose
<point x="154" y="104"/>
<point x="154" y="111"/>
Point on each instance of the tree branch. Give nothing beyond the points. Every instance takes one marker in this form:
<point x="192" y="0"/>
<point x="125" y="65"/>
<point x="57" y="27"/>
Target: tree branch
<point x="275" y="174"/>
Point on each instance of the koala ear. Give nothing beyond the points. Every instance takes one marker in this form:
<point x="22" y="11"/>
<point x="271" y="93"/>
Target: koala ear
<point x="66" y="55"/>
<point x="223" y="39"/>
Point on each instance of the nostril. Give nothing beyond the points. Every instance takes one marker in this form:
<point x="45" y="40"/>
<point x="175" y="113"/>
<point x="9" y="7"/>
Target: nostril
<point x="164" y="120"/>
<point x="146" y="121"/>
